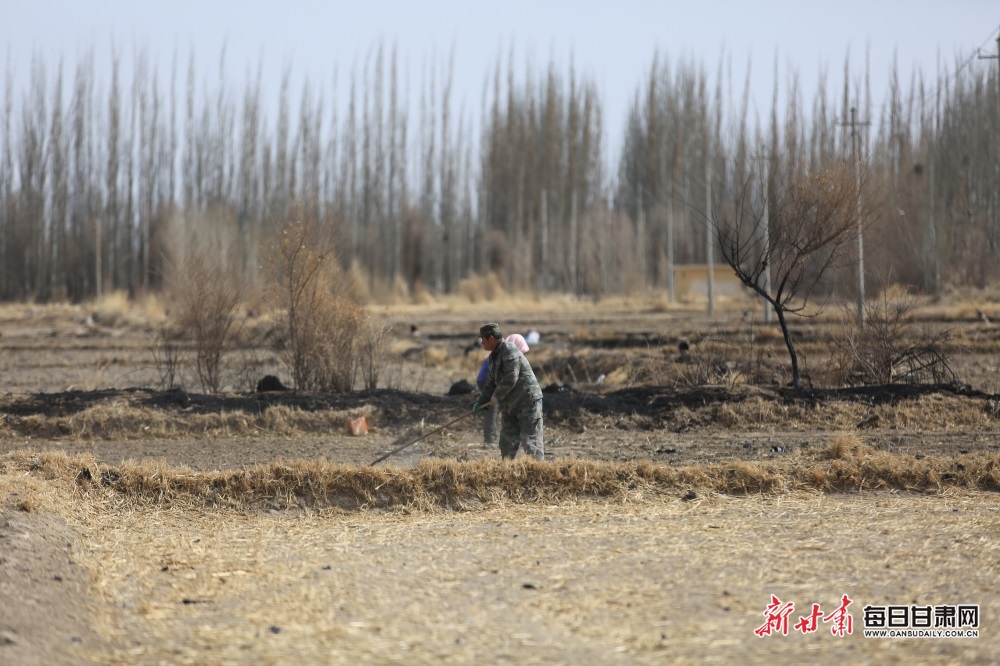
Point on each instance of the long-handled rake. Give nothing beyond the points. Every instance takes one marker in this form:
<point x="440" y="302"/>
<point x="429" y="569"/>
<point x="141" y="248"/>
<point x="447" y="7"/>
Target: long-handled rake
<point x="423" y="436"/>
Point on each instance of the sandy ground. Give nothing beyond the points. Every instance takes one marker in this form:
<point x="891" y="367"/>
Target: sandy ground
<point x="45" y="617"/>
<point x="639" y="580"/>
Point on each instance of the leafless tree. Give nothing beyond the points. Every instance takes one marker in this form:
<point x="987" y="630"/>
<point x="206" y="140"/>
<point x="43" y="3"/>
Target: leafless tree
<point x="210" y="296"/>
<point x="813" y="218"/>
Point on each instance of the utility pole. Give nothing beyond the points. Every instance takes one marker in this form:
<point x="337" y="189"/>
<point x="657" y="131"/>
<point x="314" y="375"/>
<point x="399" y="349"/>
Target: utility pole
<point x="709" y="236"/>
<point x="671" y="290"/>
<point x="994" y="203"/>
<point x="856" y="147"/>
<point x="640" y="242"/>
<point x="668" y="188"/>
<point x="544" y="281"/>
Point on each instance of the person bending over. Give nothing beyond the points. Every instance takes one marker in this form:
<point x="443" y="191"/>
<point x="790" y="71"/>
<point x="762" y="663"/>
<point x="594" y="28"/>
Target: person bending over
<point x="511" y="388"/>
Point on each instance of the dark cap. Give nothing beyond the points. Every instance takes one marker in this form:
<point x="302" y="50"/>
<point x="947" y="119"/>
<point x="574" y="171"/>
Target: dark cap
<point x="487" y="330"/>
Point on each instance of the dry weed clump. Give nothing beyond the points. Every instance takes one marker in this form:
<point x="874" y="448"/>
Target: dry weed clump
<point x="105" y="421"/>
<point x="948" y="412"/>
<point x="845" y="447"/>
<point x="845" y="465"/>
<point x="112" y="309"/>
<point x="888" y="347"/>
<point x="117" y="421"/>
<point x="851" y="465"/>
<point x="34" y="482"/>
<point x="436" y="357"/>
<point x="759" y="412"/>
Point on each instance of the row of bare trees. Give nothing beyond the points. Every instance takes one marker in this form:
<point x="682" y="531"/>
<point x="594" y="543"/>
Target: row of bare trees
<point x="930" y="157"/>
<point x="106" y="179"/>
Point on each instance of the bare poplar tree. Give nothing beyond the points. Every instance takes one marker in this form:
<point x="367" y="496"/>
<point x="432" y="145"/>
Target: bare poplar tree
<point x="6" y="183"/>
<point x="452" y="246"/>
<point x="394" y="216"/>
<point x="430" y="262"/>
<point x="34" y="171"/>
<point x="79" y="255"/>
<point x="249" y="189"/>
<point x="51" y="281"/>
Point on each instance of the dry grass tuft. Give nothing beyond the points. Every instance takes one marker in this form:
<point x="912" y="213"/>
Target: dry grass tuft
<point x="436" y="357"/>
<point x="112" y="308"/>
<point x="119" y="420"/>
<point x="35" y="482"/>
<point x="480" y="288"/>
<point x="845" y="447"/>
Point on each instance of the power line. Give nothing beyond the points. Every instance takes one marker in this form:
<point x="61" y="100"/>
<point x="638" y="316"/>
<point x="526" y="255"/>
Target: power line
<point x="961" y="67"/>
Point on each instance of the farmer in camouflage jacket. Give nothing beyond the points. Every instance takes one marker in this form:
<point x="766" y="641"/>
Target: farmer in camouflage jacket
<point x="511" y="387"/>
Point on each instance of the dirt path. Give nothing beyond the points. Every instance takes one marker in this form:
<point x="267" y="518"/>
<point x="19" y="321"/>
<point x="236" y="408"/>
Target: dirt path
<point x="46" y="617"/>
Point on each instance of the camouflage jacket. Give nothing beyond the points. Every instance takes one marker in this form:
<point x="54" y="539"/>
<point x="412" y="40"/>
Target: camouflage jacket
<point x="510" y="379"/>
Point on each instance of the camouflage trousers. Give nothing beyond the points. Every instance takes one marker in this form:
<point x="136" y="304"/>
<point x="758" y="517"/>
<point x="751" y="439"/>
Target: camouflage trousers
<point x="523" y="428"/>
<point x="491" y="423"/>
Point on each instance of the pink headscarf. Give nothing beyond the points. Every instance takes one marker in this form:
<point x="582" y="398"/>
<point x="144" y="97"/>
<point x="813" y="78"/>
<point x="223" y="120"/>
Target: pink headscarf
<point x="518" y="341"/>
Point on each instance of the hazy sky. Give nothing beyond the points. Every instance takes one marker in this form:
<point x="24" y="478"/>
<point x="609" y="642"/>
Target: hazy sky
<point x="612" y="41"/>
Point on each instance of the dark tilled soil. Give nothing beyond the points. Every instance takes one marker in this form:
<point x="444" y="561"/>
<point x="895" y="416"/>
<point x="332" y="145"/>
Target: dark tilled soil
<point x="672" y="425"/>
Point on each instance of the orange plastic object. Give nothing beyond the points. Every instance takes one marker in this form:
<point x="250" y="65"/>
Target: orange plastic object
<point x="358" y="426"/>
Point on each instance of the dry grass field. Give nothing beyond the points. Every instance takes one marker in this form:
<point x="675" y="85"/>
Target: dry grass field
<point x="140" y="525"/>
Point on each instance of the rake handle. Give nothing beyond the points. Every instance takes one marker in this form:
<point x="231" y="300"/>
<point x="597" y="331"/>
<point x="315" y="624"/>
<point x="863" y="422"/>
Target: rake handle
<point x="426" y="434"/>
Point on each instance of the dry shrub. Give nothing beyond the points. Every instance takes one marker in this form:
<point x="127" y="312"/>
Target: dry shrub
<point x="619" y="377"/>
<point x="768" y="332"/>
<point x="888" y="348"/>
<point x="212" y="298"/>
<point x="400" y="290"/>
<point x="150" y="307"/>
<point x="208" y="295"/>
<point x="167" y="356"/>
<point x="740" y="477"/>
<point x="373" y="349"/>
<point x="708" y="366"/>
<point x="334" y="356"/>
<point x="35" y="482"/>
<point x="637" y="371"/>
<point x="323" y="315"/>
<point x="205" y="284"/>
